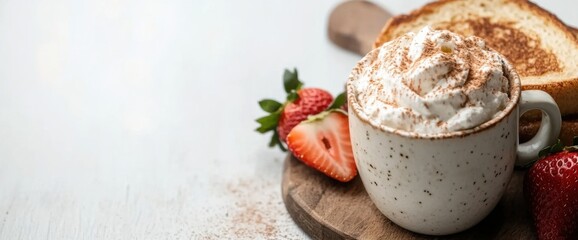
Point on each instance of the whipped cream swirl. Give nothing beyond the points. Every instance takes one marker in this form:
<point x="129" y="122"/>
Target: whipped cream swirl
<point x="432" y="82"/>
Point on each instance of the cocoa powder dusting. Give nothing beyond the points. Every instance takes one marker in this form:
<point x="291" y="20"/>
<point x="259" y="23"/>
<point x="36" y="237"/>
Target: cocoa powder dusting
<point x="444" y="66"/>
<point x="388" y="102"/>
<point x="475" y="59"/>
<point x="253" y="220"/>
<point x="429" y="49"/>
<point x="403" y="65"/>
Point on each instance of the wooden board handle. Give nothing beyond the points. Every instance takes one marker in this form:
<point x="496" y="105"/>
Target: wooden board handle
<point x="354" y="25"/>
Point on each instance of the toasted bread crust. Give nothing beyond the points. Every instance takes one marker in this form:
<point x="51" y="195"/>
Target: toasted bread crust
<point x="563" y="90"/>
<point x="387" y="33"/>
<point x="529" y="128"/>
<point x="564" y="93"/>
<point x="551" y="17"/>
<point x="574" y="31"/>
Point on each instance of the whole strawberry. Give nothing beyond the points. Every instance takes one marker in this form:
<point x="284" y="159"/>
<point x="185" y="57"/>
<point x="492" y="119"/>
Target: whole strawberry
<point x="551" y="190"/>
<point x="310" y="101"/>
<point x="300" y="103"/>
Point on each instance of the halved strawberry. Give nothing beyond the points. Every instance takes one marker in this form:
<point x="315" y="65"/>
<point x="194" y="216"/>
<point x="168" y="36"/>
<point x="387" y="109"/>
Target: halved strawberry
<point x="322" y="142"/>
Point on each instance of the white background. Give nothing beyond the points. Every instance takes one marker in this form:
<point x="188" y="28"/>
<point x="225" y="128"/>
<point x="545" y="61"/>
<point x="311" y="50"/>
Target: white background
<point x="126" y="119"/>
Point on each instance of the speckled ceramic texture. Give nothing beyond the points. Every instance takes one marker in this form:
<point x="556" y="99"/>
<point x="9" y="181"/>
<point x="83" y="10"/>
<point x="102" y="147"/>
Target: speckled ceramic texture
<point x="435" y="186"/>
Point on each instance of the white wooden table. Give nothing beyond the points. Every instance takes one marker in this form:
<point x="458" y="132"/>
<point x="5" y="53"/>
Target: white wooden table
<point x="126" y="119"/>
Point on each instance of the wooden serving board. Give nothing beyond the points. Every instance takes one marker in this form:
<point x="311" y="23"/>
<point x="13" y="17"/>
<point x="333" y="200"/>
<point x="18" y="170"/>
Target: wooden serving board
<point x="327" y="209"/>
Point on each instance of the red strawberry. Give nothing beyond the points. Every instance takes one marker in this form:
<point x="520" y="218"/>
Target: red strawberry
<point x="322" y="142"/>
<point x="551" y="189"/>
<point x="311" y="101"/>
<point x="300" y="104"/>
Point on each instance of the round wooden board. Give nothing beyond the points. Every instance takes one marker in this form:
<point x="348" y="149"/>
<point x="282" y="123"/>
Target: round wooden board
<point x="327" y="209"/>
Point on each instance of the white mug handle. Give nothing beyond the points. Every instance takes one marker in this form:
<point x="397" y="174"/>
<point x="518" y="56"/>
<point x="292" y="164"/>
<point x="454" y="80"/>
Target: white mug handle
<point x="549" y="128"/>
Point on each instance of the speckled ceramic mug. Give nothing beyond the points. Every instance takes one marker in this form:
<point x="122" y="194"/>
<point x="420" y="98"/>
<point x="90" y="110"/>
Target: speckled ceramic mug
<point x="446" y="183"/>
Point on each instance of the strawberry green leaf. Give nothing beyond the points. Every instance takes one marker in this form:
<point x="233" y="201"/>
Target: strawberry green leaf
<point x="281" y="146"/>
<point x="268" y="123"/>
<point x="292" y="96"/>
<point x="269" y="105"/>
<point x="555" y="148"/>
<point x="291" y="81"/>
<point x="276" y="141"/>
<point x="558" y="147"/>
<point x="544" y="152"/>
<point x="339" y="101"/>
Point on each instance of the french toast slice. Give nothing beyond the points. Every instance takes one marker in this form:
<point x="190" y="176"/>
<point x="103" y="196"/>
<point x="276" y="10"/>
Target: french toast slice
<point x="543" y="50"/>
